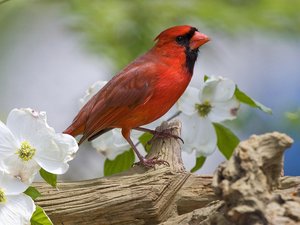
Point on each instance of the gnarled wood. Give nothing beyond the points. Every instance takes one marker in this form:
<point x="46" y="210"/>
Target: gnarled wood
<point x="169" y="195"/>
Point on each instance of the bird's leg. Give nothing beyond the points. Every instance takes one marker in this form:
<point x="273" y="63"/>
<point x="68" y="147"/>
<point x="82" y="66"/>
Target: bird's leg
<point x="159" y="134"/>
<point x="146" y="162"/>
<point x="143" y="161"/>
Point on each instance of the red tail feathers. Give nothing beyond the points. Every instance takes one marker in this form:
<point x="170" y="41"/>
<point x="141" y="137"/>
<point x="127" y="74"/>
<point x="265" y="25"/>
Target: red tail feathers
<point x="71" y="130"/>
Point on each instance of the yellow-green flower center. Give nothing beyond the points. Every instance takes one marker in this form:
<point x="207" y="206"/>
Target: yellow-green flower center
<point x="203" y="109"/>
<point x="2" y="196"/>
<point x="26" y="151"/>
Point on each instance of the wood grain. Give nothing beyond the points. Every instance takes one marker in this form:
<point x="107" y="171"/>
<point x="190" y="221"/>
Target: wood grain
<point x="160" y="195"/>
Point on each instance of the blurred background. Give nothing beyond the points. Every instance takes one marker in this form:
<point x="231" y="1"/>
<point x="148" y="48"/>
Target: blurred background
<point x="52" y="51"/>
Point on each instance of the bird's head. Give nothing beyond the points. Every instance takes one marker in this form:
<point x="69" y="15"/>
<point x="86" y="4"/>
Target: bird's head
<point x="181" y="43"/>
<point x="183" y="36"/>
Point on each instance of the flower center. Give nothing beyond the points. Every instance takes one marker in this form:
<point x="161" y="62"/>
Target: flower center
<point x="2" y="196"/>
<point x="203" y="109"/>
<point x="26" y="151"/>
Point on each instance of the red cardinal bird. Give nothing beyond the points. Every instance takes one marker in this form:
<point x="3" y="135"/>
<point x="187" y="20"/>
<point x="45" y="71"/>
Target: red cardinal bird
<point x="144" y="90"/>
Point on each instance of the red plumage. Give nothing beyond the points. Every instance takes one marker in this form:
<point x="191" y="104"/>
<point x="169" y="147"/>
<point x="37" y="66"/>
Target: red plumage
<point x="144" y="90"/>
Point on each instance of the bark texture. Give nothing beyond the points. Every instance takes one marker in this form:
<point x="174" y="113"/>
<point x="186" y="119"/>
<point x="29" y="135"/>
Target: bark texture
<point x="245" y="190"/>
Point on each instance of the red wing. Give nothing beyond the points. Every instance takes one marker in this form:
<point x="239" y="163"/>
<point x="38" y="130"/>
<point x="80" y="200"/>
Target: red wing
<point x="119" y="97"/>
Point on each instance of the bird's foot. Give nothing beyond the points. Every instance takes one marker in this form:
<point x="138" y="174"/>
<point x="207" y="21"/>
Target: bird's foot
<point x="150" y="163"/>
<point x="164" y="134"/>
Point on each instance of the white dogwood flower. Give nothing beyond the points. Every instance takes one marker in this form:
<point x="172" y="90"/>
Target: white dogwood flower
<point x="16" y="208"/>
<point x="111" y="144"/>
<point x="214" y="102"/>
<point x="27" y="143"/>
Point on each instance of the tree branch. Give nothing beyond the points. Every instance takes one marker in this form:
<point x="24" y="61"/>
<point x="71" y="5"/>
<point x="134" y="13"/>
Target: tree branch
<point x="170" y="195"/>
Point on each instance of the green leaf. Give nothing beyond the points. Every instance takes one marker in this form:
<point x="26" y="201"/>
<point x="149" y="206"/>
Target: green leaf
<point x="242" y="97"/>
<point x="199" y="163"/>
<point x="121" y="163"/>
<point x="144" y="139"/>
<point x="50" y="178"/>
<point x="32" y="192"/>
<point x="206" y="78"/>
<point x="39" y="217"/>
<point x="226" y="140"/>
<point x="293" y="116"/>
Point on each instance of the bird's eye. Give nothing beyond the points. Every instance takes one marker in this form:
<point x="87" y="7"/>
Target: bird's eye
<point x="179" y="39"/>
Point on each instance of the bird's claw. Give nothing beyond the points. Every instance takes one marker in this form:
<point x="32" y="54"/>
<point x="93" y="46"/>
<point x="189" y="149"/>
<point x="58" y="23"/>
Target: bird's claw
<point x="164" y="134"/>
<point x="150" y="163"/>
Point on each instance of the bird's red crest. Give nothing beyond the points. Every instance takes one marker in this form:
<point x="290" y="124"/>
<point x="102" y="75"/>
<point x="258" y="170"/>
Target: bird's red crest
<point x="173" y="32"/>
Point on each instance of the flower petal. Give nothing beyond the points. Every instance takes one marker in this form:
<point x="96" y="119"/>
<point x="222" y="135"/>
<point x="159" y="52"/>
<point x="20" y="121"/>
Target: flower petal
<point x="198" y="134"/>
<point x="11" y="185"/>
<point x="17" y="210"/>
<point x="111" y="144"/>
<point x="224" y="110"/>
<point x="188" y="100"/>
<point x="25" y="170"/>
<point x="53" y="166"/>
<point x="53" y="152"/>
<point x="67" y="145"/>
<point x="119" y="141"/>
<point x="8" y="143"/>
<point x="189" y="131"/>
<point x="218" y="89"/>
<point x="28" y="125"/>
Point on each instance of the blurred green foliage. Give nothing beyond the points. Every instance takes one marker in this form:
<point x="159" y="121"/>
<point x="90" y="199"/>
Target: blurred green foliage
<point x="122" y="30"/>
<point x="294" y="118"/>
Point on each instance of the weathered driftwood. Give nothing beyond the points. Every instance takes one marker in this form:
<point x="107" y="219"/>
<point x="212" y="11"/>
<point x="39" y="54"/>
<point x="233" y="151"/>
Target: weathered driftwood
<point x="170" y="195"/>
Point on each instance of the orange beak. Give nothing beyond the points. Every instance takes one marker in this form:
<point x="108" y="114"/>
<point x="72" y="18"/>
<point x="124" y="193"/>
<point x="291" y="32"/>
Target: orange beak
<point x="198" y="39"/>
